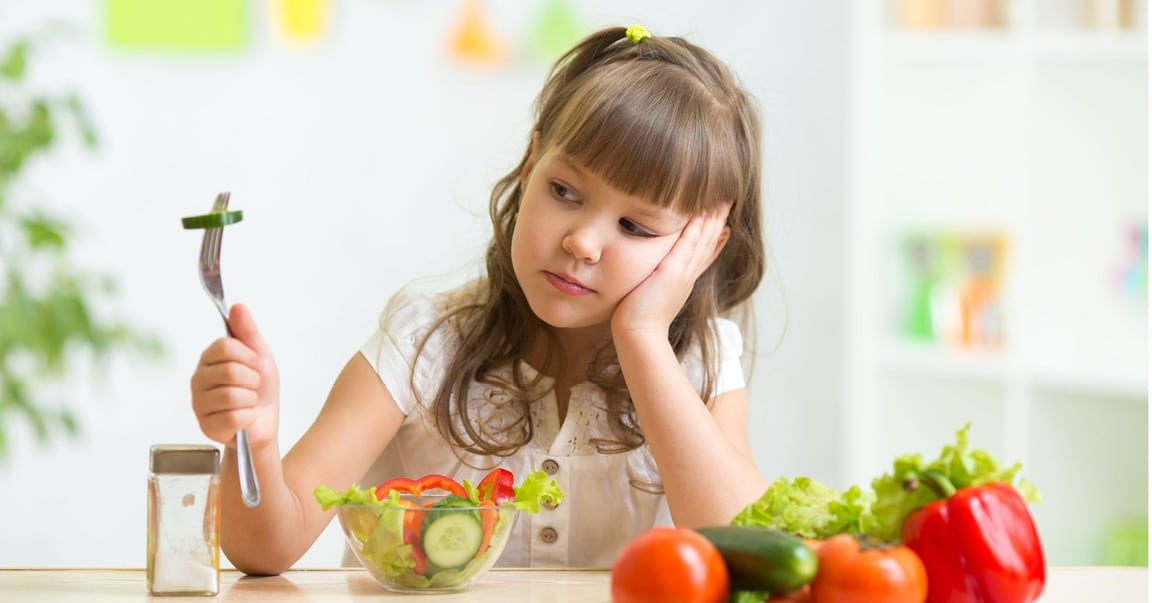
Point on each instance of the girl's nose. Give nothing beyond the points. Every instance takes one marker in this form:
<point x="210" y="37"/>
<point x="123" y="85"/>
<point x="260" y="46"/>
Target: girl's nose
<point x="583" y="243"/>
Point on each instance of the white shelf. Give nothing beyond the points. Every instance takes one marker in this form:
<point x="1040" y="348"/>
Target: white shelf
<point x="945" y="362"/>
<point x="950" y="45"/>
<point x="1040" y="132"/>
<point x="1127" y="381"/>
<point x="1007" y="45"/>
<point x="1092" y="45"/>
<point x="1119" y="384"/>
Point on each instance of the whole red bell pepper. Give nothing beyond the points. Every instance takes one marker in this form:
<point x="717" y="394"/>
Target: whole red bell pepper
<point x="978" y="544"/>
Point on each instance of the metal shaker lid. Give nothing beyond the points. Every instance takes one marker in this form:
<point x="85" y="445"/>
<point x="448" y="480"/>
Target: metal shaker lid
<point x="184" y="459"/>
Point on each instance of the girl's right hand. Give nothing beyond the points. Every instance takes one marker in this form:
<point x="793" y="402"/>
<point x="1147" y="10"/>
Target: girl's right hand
<point x="237" y="386"/>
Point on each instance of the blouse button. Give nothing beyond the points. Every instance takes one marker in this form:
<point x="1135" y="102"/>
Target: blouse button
<point x="549" y="535"/>
<point x="550" y="505"/>
<point x="551" y="467"/>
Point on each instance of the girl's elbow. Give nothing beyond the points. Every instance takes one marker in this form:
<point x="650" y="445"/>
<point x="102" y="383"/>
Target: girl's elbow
<point x="258" y="564"/>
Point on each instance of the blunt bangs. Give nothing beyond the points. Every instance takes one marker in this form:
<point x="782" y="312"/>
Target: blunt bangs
<point x="651" y="130"/>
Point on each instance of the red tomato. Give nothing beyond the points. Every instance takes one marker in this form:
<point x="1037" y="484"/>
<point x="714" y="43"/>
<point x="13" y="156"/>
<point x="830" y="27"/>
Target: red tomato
<point x="669" y="565"/>
<point x="851" y="573"/>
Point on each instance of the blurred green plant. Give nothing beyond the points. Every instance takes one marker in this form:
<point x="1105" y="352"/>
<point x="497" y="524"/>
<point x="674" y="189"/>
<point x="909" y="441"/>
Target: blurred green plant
<point x="49" y="326"/>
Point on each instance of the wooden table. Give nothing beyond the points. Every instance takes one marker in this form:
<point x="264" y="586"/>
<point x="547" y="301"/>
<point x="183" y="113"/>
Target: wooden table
<point x="1065" y="585"/>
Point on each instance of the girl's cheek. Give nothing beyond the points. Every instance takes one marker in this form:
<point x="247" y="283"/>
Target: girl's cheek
<point x="646" y="265"/>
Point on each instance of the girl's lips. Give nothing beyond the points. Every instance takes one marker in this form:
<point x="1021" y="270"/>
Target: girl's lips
<point x="567" y="285"/>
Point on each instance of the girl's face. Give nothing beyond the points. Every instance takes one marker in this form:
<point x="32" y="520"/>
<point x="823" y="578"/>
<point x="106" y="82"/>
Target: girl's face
<point x="579" y="245"/>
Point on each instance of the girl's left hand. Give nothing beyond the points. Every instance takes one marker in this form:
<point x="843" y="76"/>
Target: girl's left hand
<point x="655" y="302"/>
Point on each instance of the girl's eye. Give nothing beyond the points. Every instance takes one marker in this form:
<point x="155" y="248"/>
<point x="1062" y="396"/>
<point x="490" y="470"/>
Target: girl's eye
<point x="634" y="229"/>
<point x="561" y="191"/>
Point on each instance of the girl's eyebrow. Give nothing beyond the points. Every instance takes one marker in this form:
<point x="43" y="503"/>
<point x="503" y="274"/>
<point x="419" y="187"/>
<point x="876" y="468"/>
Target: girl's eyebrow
<point x="647" y="210"/>
<point x="650" y="210"/>
<point x="569" y="163"/>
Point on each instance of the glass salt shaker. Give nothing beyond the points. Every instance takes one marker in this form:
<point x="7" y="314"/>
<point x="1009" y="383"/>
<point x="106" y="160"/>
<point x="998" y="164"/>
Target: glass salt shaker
<point x="184" y="520"/>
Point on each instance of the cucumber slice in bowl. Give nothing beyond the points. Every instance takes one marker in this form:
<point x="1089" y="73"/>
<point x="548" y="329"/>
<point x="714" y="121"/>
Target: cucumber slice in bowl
<point x="425" y="544"/>
<point x="451" y="539"/>
<point x="213" y="220"/>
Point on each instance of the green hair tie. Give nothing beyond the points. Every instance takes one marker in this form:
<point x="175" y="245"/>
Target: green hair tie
<point x="637" y="34"/>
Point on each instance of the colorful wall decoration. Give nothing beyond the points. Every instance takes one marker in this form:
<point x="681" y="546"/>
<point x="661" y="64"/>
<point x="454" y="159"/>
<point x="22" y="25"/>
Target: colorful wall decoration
<point x="211" y="25"/>
<point x="1132" y="275"/>
<point x="557" y="28"/>
<point x="955" y="285"/>
<point x="472" y="39"/>
<point x="302" y="21"/>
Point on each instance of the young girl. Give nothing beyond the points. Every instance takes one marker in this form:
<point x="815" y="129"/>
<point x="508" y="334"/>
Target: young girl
<point x="594" y="348"/>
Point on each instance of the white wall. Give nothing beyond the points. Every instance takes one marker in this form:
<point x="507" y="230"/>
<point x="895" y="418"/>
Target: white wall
<point x="360" y="165"/>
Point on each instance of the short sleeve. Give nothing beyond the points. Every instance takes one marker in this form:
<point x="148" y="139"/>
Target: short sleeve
<point x="729" y="347"/>
<point x="730" y="375"/>
<point x="392" y="348"/>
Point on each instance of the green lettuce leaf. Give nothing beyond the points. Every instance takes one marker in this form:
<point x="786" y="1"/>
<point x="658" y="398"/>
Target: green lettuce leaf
<point x="809" y="509"/>
<point x="328" y="498"/>
<point x="385" y="546"/>
<point x="382" y="533"/>
<point x="898" y="492"/>
<point x="472" y="492"/>
<point x="535" y="490"/>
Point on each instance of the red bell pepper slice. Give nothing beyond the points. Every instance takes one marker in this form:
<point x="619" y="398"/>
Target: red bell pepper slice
<point x="420" y="558"/>
<point x="489" y="516"/>
<point x="413" y="518"/>
<point x="412" y="538"/>
<point x="432" y="481"/>
<point x="400" y="484"/>
<point x="435" y="481"/>
<point x="978" y="543"/>
<point x="498" y="486"/>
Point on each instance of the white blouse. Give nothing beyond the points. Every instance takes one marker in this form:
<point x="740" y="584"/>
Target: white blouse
<point x="602" y="510"/>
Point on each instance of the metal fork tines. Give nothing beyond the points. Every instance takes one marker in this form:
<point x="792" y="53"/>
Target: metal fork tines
<point x="214" y="285"/>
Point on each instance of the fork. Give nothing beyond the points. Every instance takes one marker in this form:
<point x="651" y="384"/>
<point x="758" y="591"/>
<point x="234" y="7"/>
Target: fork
<point x="210" y="279"/>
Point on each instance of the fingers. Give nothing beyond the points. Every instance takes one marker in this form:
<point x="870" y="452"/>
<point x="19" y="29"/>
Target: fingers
<point x="654" y="303"/>
<point x="715" y="234"/>
<point x="701" y="240"/>
<point x="244" y="329"/>
<point x="225" y="388"/>
<point x="717" y="228"/>
<point x="225" y="363"/>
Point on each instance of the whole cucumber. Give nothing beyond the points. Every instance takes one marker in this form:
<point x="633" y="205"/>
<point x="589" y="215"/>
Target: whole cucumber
<point x="763" y="559"/>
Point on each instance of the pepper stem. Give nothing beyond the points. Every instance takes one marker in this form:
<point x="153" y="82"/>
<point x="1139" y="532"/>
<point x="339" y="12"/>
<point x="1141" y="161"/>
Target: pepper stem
<point x="938" y="482"/>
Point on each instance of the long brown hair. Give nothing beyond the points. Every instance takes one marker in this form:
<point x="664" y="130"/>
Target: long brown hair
<point x="661" y="119"/>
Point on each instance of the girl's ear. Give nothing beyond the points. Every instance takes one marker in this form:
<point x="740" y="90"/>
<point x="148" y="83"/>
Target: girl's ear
<point x="721" y="241"/>
<point x="530" y="162"/>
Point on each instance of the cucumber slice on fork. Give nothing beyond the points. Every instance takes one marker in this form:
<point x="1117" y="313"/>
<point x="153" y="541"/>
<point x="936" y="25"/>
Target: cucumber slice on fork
<point x="213" y="220"/>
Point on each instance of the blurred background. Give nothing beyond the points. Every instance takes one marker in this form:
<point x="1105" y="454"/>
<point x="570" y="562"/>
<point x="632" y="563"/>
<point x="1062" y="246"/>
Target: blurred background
<point x="956" y="207"/>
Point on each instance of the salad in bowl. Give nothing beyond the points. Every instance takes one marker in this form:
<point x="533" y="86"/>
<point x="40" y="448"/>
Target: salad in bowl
<point x="435" y="534"/>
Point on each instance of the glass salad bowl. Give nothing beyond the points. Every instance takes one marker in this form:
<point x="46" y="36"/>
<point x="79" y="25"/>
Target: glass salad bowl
<point x="427" y="543"/>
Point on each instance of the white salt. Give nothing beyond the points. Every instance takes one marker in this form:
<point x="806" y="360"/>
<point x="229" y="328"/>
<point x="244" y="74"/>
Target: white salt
<point x="175" y="574"/>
